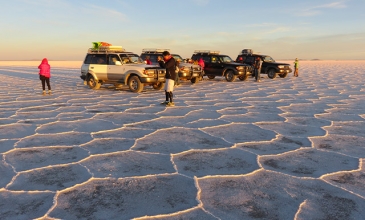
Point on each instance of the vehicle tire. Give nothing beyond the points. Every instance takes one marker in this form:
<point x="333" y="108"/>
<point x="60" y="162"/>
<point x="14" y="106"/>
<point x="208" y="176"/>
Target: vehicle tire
<point x="230" y="77"/>
<point x="194" y="79"/>
<point x="271" y="73"/>
<point x="135" y="84"/>
<point x="243" y="78"/>
<point x="283" y="75"/>
<point x="211" y="76"/>
<point x="158" y="85"/>
<point x="92" y="83"/>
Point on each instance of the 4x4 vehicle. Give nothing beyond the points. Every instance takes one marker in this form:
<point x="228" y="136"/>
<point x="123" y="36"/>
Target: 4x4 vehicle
<point x="113" y="65"/>
<point x="222" y="65"/>
<point x="187" y="71"/>
<point x="269" y="66"/>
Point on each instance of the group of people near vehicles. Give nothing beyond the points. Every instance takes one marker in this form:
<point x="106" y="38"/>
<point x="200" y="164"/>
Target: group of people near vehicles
<point x="165" y="61"/>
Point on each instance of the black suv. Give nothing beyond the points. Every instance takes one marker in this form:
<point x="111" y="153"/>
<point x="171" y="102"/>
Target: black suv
<point x="188" y="71"/>
<point x="269" y="66"/>
<point x="222" y="65"/>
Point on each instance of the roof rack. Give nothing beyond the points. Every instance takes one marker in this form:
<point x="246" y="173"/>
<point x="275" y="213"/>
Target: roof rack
<point x="154" y="50"/>
<point x="107" y="49"/>
<point x="206" y="51"/>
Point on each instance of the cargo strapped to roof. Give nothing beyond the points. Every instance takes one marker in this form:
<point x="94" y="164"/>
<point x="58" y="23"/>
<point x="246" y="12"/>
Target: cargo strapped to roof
<point x="107" y="49"/>
<point x="206" y="51"/>
<point x="246" y="51"/>
<point x="154" y="50"/>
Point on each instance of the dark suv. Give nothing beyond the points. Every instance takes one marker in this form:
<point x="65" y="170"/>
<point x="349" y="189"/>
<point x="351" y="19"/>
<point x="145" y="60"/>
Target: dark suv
<point x="222" y="65"/>
<point x="187" y="71"/>
<point x="269" y="66"/>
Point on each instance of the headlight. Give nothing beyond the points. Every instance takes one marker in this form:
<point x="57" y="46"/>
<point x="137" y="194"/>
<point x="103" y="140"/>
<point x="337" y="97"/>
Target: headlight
<point x="281" y="66"/>
<point x="149" y="72"/>
<point x="239" y="67"/>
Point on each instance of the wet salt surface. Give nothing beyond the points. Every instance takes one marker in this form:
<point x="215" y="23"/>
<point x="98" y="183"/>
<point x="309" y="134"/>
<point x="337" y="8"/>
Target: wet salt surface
<point x="291" y="148"/>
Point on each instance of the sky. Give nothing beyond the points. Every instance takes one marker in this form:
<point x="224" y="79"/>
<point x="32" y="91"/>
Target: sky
<point x="283" y="29"/>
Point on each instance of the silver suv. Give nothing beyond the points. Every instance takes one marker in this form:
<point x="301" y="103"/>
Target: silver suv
<point x="187" y="71"/>
<point x="113" y="65"/>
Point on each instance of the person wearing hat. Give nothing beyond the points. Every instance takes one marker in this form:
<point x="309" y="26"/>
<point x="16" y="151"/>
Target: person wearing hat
<point x="296" y="67"/>
<point x="257" y="69"/>
<point x="170" y="65"/>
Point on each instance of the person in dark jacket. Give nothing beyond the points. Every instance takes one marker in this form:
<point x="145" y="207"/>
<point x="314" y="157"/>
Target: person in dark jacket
<point x="45" y="75"/>
<point x="257" y="66"/>
<point x="170" y="65"/>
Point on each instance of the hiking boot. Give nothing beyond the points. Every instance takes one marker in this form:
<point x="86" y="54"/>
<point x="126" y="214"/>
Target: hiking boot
<point x="164" y="103"/>
<point x="169" y="104"/>
<point x="44" y="92"/>
<point x="49" y="92"/>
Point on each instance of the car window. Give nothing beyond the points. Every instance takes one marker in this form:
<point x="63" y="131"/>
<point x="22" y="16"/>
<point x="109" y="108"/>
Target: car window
<point x="98" y="59"/>
<point x="225" y="59"/>
<point x="268" y="59"/>
<point x="177" y="57"/>
<point x="206" y="59"/>
<point x="113" y="59"/>
<point x="88" y="59"/>
<point x="214" y="59"/>
<point x="250" y="59"/>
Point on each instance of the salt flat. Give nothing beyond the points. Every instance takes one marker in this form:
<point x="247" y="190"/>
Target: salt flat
<point x="291" y="148"/>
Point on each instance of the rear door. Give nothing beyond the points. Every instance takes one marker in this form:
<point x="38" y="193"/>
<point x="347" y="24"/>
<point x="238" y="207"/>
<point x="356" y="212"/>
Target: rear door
<point x="98" y="66"/>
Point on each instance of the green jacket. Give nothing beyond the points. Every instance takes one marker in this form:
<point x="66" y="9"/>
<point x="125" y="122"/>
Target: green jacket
<point x="296" y="64"/>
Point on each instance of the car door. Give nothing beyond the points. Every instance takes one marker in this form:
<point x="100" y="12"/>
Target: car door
<point x="217" y="66"/>
<point x="98" y="66"/>
<point x="115" y="68"/>
<point x="264" y="65"/>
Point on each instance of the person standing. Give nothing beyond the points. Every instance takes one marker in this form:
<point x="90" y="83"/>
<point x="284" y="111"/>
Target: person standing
<point x="257" y="69"/>
<point x="170" y="65"/>
<point x="148" y="61"/>
<point x="296" y="67"/>
<point x="45" y="75"/>
<point x="202" y="65"/>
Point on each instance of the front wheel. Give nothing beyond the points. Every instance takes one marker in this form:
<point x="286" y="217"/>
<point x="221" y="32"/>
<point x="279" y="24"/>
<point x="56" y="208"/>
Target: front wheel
<point x="230" y="77"/>
<point x="158" y="85"/>
<point x="271" y="73"/>
<point x="93" y="83"/>
<point x="243" y="78"/>
<point x="194" y="79"/>
<point x="283" y="75"/>
<point x="135" y="84"/>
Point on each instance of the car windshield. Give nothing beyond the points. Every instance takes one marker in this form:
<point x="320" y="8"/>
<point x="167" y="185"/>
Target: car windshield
<point x="225" y="59"/>
<point x="177" y="57"/>
<point x="269" y="59"/>
<point x="132" y="58"/>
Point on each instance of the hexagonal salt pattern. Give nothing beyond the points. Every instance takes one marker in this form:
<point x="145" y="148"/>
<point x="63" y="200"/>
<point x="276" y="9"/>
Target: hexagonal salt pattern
<point x="289" y="148"/>
<point x="265" y="194"/>
<point x="126" y="198"/>
<point x="309" y="162"/>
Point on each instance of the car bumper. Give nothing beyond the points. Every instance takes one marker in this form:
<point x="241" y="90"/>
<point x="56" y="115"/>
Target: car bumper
<point x="189" y="74"/>
<point x="285" y="71"/>
<point x="152" y="79"/>
<point x="83" y="77"/>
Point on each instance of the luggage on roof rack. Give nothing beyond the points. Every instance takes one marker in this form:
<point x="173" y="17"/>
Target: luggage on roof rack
<point x="154" y="50"/>
<point x="246" y="51"/>
<point x="106" y="49"/>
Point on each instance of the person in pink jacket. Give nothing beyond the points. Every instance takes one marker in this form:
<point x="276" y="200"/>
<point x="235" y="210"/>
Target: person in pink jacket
<point x="45" y="75"/>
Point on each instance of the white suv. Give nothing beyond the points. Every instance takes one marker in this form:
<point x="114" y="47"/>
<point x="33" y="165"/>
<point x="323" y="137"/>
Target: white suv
<point x="113" y="65"/>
